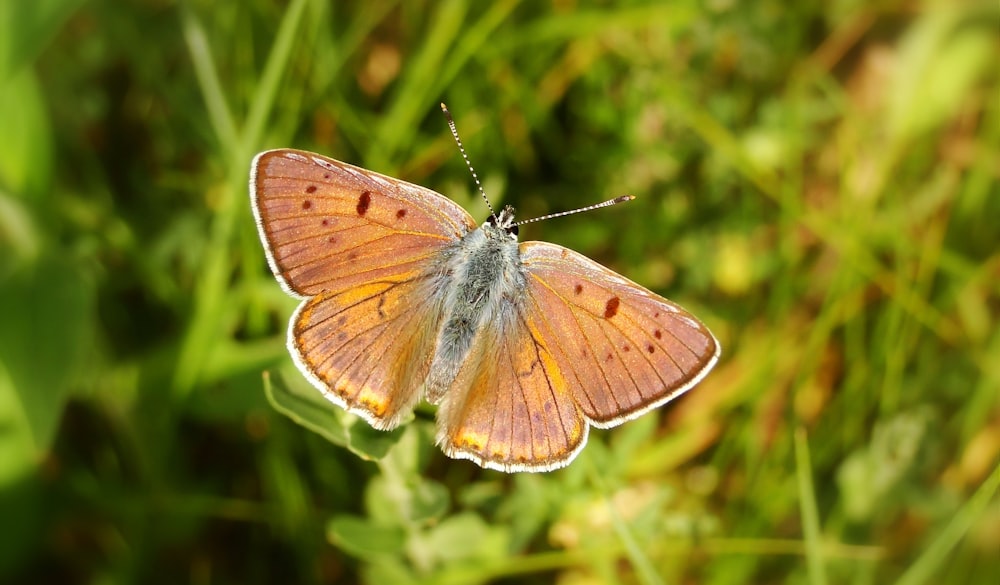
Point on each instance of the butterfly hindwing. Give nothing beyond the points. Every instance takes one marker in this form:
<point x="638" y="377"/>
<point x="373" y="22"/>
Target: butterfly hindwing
<point x="369" y="348"/>
<point x="622" y="349"/>
<point x="510" y="408"/>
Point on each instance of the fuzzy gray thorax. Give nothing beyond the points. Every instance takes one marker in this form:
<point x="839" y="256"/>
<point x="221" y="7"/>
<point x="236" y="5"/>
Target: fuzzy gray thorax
<point x="483" y="277"/>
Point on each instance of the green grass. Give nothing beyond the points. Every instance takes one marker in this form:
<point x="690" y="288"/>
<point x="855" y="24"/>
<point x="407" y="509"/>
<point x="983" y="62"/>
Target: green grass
<point x="818" y="182"/>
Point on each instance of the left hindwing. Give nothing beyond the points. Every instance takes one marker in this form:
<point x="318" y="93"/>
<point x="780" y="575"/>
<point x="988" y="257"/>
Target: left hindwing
<point x="369" y="348"/>
<point x="622" y="349"/>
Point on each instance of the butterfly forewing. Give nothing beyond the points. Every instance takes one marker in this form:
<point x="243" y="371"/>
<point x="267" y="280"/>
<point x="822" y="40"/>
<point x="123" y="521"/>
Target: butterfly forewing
<point x="329" y="225"/>
<point x="622" y="349"/>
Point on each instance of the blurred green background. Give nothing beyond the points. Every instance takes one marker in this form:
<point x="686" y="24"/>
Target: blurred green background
<point x="817" y="181"/>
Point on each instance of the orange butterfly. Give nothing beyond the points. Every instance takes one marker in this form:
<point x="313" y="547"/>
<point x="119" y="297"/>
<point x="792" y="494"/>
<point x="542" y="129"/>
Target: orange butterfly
<point x="523" y="346"/>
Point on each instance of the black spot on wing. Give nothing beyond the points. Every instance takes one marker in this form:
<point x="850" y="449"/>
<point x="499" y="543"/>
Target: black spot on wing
<point x="363" y="203"/>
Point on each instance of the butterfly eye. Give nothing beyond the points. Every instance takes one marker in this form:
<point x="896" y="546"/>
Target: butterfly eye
<point x="513" y="230"/>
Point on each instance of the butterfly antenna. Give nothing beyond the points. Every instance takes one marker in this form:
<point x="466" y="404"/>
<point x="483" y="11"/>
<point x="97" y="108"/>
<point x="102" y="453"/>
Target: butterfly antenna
<point x="614" y="201"/>
<point x="454" y="132"/>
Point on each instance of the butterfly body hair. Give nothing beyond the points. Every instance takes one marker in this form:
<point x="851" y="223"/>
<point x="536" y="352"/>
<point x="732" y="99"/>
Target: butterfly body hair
<point x="483" y="274"/>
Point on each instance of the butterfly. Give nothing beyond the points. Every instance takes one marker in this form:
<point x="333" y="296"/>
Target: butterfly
<point x="523" y="346"/>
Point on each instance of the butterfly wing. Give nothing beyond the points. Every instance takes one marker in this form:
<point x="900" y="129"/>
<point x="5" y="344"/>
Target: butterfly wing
<point x="357" y="246"/>
<point x="369" y="348"/>
<point x="510" y="407"/>
<point x="329" y="226"/>
<point x="621" y="349"/>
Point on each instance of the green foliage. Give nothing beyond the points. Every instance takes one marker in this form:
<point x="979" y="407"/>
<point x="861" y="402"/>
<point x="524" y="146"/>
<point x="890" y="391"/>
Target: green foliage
<point x="817" y="181"/>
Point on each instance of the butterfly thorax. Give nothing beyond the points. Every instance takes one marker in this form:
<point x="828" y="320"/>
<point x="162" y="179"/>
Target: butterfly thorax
<point x="481" y="276"/>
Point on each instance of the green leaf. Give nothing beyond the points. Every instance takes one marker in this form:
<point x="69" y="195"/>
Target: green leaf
<point x="362" y="538"/>
<point x="389" y="571"/>
<point x="26" y="151"/>
<point x="307" y="407"/>
<point x="465" y="537"/>
<point x="25" y="29"/>
<point x="370" y="443"/>
<point x="316" y="415"/>
<point x="407" y="500"/>
<point x="46" y="310"/>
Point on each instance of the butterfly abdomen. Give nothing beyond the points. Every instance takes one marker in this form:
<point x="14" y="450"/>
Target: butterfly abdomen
<point x="483" y="273"/>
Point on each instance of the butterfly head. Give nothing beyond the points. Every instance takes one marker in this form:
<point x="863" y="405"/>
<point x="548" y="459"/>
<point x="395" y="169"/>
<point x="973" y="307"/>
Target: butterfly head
<point x="504" y="222"/>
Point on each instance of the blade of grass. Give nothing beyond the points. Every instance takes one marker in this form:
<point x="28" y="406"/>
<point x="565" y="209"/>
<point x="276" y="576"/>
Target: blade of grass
<point x="809" y="510"/>
<point x="589" y="22"/>
<point x="274" y="70"/>
<point x="474" y="38"/>
<point x="925" y="567"/>
<point x="219" y="114"/>
<point x="204" y="324"/>
<point x="418" y="87"/>
<point x="645" y="571"/>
